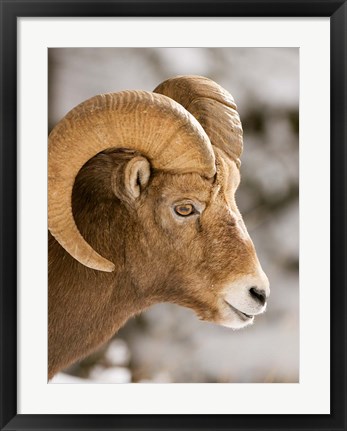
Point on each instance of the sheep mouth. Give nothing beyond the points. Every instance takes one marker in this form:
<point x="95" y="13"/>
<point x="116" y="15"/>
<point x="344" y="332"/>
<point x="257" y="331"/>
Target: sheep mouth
<point x="241" y="314"/>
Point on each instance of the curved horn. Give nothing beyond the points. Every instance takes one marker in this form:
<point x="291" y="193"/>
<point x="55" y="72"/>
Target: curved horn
<point x="212" y="106"/>
<point x="152" y="124"/>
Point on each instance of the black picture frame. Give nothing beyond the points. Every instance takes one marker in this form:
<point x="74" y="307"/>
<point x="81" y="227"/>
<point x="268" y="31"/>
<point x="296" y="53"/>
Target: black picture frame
<point x="10" y="11"/>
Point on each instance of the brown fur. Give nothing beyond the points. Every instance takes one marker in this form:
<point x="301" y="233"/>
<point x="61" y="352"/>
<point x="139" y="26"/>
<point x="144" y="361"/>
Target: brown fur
<point x="158" y="258"/>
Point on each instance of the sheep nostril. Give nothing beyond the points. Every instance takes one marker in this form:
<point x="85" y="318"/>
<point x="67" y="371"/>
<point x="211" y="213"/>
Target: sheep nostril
<point x="258" y="295"/>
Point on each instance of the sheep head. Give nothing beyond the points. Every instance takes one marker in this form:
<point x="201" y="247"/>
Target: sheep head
<point x="169" y="162"/>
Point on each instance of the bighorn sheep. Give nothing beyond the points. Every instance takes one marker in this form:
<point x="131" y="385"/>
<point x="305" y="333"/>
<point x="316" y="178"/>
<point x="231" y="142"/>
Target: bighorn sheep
<point x="142" y="210"/>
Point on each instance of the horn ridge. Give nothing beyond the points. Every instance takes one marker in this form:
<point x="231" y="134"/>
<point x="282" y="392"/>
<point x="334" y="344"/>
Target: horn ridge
<point x="212" y="106"/>
<point x="143" y="121"/>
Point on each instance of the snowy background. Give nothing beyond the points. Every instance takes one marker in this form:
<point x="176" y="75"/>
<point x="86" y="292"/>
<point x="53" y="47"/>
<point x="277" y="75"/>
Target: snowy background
<point x="168" y="343"/>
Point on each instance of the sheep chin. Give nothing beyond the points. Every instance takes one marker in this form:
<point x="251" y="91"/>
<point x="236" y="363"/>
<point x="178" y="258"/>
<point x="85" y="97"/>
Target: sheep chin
<point x="235" y="321"/>
<point x="228" y="316"/>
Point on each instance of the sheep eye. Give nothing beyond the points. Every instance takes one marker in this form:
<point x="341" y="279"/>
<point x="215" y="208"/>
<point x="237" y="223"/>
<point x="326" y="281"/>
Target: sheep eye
<point x="184" y="210"/>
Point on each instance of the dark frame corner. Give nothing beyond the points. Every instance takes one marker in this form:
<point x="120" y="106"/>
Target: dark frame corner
<point x="10" y="10"/>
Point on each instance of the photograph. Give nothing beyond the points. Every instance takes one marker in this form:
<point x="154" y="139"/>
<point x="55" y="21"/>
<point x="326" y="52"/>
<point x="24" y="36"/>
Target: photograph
<point x="173" y="215"/>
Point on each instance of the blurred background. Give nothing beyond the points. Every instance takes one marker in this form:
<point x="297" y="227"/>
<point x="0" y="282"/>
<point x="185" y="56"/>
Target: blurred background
<point x="168" y="343"/>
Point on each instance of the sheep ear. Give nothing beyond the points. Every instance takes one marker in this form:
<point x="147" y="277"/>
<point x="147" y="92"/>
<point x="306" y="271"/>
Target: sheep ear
<point x="136" y="176"/>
